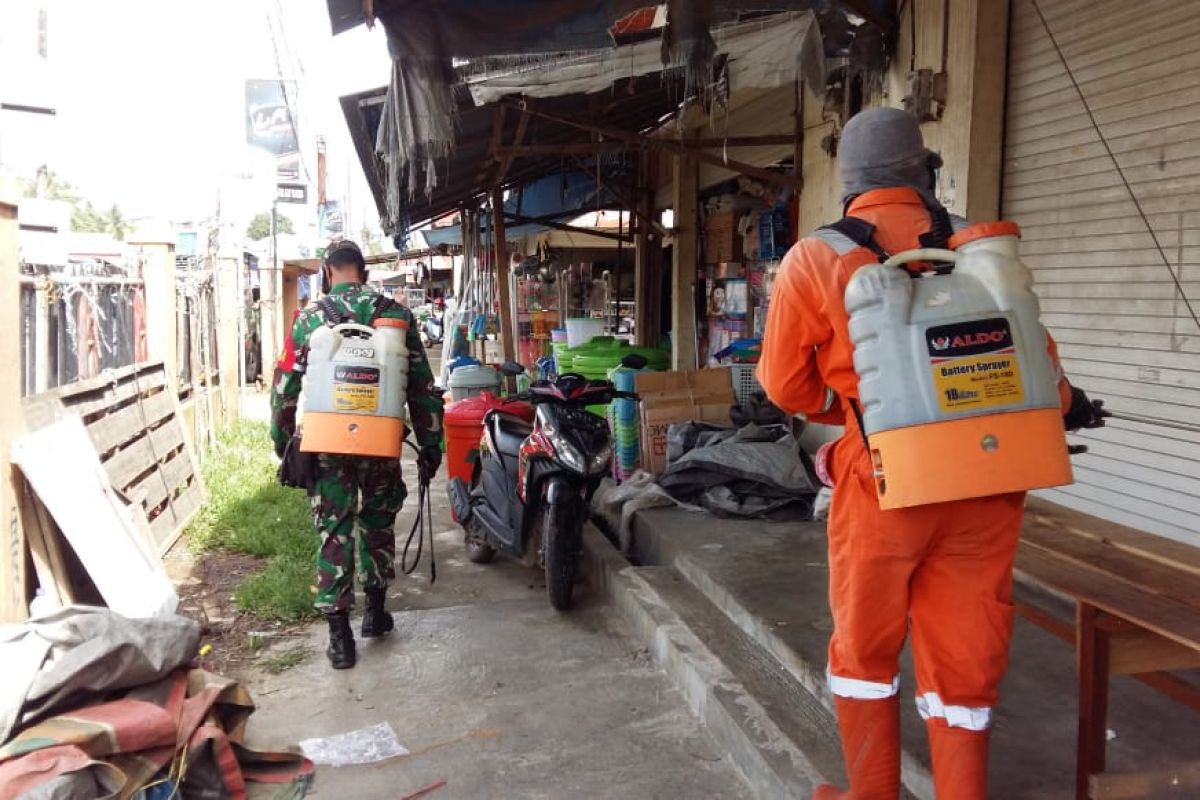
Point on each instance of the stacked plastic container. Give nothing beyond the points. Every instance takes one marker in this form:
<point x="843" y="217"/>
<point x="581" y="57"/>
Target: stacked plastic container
<point x="625" y="425"/>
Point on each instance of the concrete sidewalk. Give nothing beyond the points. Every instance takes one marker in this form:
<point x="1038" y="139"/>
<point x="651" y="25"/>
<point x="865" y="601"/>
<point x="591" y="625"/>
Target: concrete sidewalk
<point x="499" y="694"/>
<point x="769" y="583"/>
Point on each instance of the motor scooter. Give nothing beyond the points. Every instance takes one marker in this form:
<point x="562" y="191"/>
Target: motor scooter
<point x="432" y="329"/>
<point x="532" y="485"/>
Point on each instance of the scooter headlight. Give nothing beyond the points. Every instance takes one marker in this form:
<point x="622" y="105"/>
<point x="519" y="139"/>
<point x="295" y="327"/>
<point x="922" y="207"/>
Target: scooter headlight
<point x="564" y="450"/>
<point x="600" y="461"/>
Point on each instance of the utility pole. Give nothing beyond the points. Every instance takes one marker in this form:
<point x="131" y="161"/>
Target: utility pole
<point x="268" y="297"/>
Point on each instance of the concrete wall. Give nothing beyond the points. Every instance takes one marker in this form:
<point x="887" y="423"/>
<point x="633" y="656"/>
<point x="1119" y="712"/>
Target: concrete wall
<point x="12" y="548"/>
<point x="970" y="133"/>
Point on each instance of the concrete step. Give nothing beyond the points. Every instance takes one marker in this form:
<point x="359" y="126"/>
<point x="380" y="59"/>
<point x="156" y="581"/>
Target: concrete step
<point x="779" y="736"/>
<point x="803" y="655"/>
<point x="771" y="581"/>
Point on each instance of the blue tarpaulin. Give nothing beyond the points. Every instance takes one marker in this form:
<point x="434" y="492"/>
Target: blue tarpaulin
<point x="554" y="194"/>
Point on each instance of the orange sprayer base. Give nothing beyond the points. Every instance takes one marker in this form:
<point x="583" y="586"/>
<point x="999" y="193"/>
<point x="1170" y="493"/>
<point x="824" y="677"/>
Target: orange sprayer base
<point x="352" y="434"/>
<point x="972" y="457"/>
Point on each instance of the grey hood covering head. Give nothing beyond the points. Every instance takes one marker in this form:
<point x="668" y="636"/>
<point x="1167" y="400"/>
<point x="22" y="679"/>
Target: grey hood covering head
<point x="882" y="148"/>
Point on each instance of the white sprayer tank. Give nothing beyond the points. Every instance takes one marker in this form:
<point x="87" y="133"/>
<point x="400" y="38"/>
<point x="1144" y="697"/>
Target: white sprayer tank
<point x="356" y="389"/>
<point x="959" y="392"/>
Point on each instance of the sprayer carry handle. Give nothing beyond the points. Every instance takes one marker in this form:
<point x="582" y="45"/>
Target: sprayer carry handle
<point x="354" y="326"/>
<point x="936" y="254"/>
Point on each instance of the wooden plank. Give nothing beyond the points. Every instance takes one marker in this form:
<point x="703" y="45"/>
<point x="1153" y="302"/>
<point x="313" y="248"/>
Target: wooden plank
<point x="120" y="427"/>
<point x="1182" y="780"/>
<point x="143" y="384"/>
<point x="126" y="464"/>
<point x="1174" y="687"/>
<point x="168" y="525"/>
<point x="1173" y="554"/>
<point x="39" y="550"/>
<point x="1166" y="617"/>
<point x="1135" y="651"/>
<point x="163" y="481"/>
<point x="1046" y="621"/>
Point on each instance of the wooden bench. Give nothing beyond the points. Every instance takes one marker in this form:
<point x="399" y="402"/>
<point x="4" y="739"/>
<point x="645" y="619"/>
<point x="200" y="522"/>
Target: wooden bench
<point x="1137" y="613"/>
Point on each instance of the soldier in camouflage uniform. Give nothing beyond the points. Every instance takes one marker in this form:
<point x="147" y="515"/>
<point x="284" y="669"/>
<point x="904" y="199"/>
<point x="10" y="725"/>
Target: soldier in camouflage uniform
<point x="342" y="480"/>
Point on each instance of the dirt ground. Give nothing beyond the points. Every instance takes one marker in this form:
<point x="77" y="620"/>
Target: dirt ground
<point x="234" y="643"/>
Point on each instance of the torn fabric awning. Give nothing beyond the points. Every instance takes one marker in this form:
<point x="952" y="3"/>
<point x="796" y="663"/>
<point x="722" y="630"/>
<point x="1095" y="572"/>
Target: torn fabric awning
<point x="762" y="53"/>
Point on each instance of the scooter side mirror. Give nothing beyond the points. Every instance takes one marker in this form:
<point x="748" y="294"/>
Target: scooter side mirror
<point x="512" y="369"/>
<point x="634" y="361"/>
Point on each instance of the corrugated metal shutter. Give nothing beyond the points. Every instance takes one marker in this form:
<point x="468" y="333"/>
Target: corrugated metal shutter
<point x="1124" y="328"/>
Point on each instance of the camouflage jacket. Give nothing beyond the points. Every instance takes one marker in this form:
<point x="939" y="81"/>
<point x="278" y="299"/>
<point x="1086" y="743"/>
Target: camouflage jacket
<point x="358" y="303"/>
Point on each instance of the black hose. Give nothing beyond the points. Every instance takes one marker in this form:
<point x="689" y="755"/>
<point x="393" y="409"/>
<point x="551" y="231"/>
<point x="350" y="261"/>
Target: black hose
<point x="422" y="523"/>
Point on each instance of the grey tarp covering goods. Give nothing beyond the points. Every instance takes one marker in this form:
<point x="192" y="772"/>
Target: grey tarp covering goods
<point x="79" y="653"/>
<point x="745" y="472"/>
<point x="617" y="503"/>
<point x="762" y="53"/>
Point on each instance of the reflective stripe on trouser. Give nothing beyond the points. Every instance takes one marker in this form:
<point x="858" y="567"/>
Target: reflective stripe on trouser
<point x="944" y="571"/>
<point x="854" y="689"/>
<point x="931" y="707"/>
<point x="341" y="480"/>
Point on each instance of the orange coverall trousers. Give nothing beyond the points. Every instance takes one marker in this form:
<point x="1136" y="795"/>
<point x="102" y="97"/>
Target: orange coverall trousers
<point x="943" y="572"/>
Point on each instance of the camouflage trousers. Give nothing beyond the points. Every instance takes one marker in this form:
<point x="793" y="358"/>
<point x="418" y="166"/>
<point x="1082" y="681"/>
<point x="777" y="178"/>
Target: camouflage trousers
<point x="341" y="480"/>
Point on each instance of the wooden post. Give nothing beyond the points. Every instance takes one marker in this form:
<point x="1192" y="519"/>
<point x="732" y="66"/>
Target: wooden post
<point x="158" y="273"/>
<point x="41" y="336"/>
<point x="226" y="276"/>
<point x="988" y="50"/>
<point x="641" y="257"/>
<point x="508" y="325"/>
<point x="12" y="550"/>
<point x="683" y="269"/>
<point x="1092" y="655"/>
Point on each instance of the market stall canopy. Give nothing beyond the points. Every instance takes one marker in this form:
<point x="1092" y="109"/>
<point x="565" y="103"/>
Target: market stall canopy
<point x="760" y="53"/>
<point x="488" y="150"/>
<point x="487" y="94"/>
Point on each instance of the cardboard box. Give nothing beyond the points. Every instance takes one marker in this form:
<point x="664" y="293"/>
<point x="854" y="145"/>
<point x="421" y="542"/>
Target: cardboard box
<point x="667" y="398"/>
<point x="721" y="240"/>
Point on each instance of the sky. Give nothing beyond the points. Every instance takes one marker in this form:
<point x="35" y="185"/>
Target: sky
<point x="150" y="96"/>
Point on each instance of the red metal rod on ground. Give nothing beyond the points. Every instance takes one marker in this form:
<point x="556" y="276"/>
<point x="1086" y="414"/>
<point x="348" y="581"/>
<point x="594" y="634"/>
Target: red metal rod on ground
<point x="430" y="789"/>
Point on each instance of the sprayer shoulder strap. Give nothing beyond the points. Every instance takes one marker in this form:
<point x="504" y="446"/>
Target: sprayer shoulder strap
<point x="859" y="231"/>
<point x="382" y="305"/>
<point x="332" y="311"/>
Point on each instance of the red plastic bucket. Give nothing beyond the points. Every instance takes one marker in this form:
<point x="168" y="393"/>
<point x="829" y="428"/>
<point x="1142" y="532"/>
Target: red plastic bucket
<point x="464" y="427"/>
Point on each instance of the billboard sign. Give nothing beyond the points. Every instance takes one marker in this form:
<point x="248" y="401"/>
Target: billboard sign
<point x="292" y="193"/>
<point x="269" y="121"/>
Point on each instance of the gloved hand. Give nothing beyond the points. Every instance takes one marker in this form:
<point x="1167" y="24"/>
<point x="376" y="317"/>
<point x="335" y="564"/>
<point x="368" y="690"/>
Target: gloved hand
<point x="1084" y="413"/>
<point x="429" y="461"/>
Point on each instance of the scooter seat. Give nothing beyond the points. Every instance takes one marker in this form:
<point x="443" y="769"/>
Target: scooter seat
<point x="509" y="432"/>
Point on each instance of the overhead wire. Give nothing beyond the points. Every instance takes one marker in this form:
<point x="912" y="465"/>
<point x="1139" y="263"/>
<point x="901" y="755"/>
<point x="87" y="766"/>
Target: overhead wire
<point x="287" y="98"/>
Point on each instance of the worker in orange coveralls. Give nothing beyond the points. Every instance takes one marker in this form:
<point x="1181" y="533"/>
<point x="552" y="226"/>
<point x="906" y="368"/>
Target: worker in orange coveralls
<point x="945" y="569"/>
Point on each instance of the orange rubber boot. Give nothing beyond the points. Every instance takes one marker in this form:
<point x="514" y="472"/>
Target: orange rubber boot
<point x="871" y="745"/>
<point x="960" y="762"/>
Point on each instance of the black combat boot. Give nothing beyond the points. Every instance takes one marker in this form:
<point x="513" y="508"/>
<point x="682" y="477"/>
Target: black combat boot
<point x="376" y="621"/>
<point x="341" y="640"/>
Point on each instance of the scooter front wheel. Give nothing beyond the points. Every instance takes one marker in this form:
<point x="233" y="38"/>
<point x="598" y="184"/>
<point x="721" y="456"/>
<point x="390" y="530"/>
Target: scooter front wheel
<point x="561" y="531"/>
<point x="480" y="552"/>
